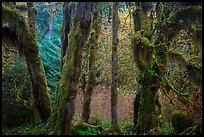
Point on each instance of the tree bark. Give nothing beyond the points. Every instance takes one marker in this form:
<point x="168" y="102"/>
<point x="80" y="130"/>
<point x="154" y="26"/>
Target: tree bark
<point x="93" y="43"/>
<point x="71" y="70"/>
<point x="65" y="29"/>
<point x="114" y="94"/>
<point x="32" y="14"/>
<point x="28" y="46"/>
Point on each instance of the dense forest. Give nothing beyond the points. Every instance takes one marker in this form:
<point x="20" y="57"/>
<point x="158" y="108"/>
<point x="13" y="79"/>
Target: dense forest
<point x="101" y="68"/>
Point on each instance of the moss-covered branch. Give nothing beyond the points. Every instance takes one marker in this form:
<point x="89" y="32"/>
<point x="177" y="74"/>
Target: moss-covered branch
<point x="194" y="70"/>
<point x="28" y="46"/>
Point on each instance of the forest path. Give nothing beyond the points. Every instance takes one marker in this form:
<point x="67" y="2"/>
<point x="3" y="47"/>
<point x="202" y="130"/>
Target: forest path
<point x="101" y="106"/>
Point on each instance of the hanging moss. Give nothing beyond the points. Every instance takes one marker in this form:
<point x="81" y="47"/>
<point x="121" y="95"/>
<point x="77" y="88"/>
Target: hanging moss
<point x="193" y="12"/>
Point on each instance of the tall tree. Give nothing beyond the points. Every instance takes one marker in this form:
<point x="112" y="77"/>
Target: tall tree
<point x="65" y="107"/>
<point x="92" y="45"/>
<point x="16" y="33"/>
<point x="114" y="94"/>
<point x="65" y="29"/>
<point x="32" y="14"/>
<point x="151" y="59"/>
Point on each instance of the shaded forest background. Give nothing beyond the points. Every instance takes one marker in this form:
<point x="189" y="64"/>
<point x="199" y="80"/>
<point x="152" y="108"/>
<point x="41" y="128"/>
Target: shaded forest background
<point x="175" y="28"/>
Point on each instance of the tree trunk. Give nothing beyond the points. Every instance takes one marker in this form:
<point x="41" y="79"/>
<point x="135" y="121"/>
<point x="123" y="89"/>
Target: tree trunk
<point x="114" y="94"/>
<point x="93" y="43"/>
<point x="71" y="69"/>
<point x="145" y="114"/>
<point x="32" y="14"/>
<point x="136" y="17"/>
<point x="28" y="46"/>
<point x="65" y="29"/>
<point x="136" y="108"/>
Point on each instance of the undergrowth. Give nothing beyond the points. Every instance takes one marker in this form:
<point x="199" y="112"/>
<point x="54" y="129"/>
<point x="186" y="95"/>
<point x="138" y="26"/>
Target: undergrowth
<point x="25" y="130"/>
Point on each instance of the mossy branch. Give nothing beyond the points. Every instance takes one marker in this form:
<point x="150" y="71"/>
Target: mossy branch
<point x="16" y="21"/>
<point x="169" y="87"/>
<point x="14" y="24"/>
<point x="194" y="70"/>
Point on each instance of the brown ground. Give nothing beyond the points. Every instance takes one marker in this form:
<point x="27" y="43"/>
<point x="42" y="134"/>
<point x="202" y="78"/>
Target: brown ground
<point x="101" y="107"/>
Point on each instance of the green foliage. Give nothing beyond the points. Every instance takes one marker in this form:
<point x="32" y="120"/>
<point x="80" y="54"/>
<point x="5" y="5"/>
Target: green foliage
<point x="95" y="120"/>
<point x="25" y="130"/>
<point x="152" y="73"/>
<point x="50" y="50"/>
<point x="127" y="128"/>
<point x="16" y="87"/>
<point x="180" y="121"/>
<point x="166" y="129"/>
<point x="89" y="131"/>
<point x="37" y="62"/>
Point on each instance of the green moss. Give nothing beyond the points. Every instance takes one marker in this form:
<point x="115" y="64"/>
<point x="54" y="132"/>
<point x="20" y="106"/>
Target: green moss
<point x="14" y="18"/>
<point x="136" y="37"/>
<point x="147" y="35"/>
<point x="152" y="73"/>
<point x="180" y="121"/>
<point x="37" y="62"/>
<point x="29" y="47"/>
<point x="145" y="42"/>
<point x="146" y="112"/>
<point x="142" y="50"/>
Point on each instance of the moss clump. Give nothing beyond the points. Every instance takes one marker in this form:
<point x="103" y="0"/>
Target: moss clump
<point x="145" y="42"/>
<point x="142" y="50"/>
<point x="180" y="121"/>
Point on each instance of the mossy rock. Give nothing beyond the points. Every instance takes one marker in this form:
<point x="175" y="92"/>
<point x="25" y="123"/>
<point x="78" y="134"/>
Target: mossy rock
<point x="180" y="121"/>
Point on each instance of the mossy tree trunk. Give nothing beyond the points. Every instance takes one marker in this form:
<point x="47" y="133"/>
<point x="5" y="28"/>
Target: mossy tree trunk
<point x="92" y="44"/>
<point x="32" y="14"/>
<point x="136" y="17"/>
<point x="146" y="99"/>
<point x="152" y="60"/>
<point x="114" y="94"/>
<point x="27" y="45"/>
<point x="65" y="29"/>
<point x="71" y="70"/>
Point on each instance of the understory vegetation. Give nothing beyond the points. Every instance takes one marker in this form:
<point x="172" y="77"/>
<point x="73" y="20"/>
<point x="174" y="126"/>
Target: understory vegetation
<point x="101" y="68"/>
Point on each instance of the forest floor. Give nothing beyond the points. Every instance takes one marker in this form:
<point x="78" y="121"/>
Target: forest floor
<point x="101" y="105"/>
<point x="100" y="115"/>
